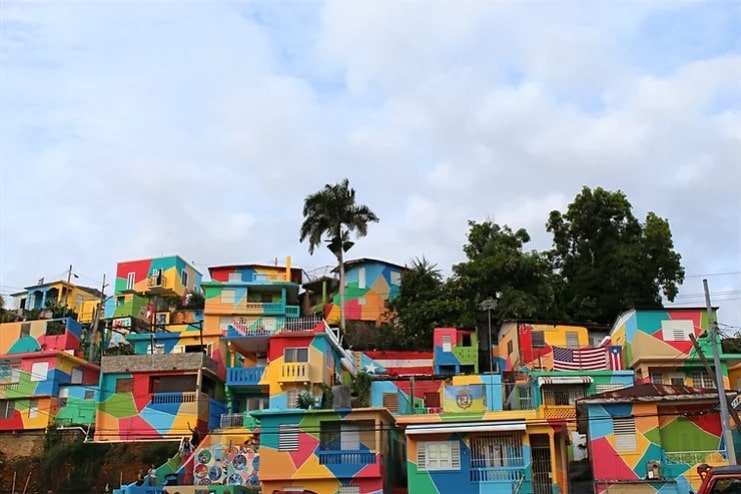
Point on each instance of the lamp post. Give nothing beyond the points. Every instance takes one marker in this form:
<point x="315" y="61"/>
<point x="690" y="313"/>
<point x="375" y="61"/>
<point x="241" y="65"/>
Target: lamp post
<point x="488" y="305"/>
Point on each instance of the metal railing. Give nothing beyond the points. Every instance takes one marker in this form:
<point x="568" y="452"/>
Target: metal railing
<point x="347" y="458"/>
<point x="497" y="474"/>
<point x="156" y="281"/>
<point x="244" y="375"/>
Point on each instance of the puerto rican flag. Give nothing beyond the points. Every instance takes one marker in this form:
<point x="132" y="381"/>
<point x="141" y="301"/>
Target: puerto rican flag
<point x="615" y="355"/>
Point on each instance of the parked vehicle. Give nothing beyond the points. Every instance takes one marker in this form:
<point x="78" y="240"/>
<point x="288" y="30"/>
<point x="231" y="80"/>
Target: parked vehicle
<point x="719" y="480"/>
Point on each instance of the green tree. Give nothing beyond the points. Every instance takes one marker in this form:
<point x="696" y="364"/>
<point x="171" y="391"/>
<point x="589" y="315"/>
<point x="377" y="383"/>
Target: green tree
<point x="425" y="301"/>
<point x="608" y="260"/>
<point x="331" y="215"/>
<point x="499" y="266"/>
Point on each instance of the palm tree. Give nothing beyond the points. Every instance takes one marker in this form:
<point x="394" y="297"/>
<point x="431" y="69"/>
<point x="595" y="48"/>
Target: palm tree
<point x="330" y="216"/>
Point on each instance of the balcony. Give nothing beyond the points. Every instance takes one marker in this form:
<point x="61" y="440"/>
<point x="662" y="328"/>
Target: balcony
<point x="157" y="281"/>
<point x="237" y="421"/>
<point x="295" y="372"/>
<point x="557" y="412"/>
<point x="265" y="309"/>
<point x="178" y="398"/>
<point x="244" y="376"/>
<point x="505" y="475"/>
<point x="347" y="458"/>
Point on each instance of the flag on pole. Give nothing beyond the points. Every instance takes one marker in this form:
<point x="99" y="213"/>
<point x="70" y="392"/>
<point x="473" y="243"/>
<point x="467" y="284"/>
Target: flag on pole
<point x="587" y="358"/>
<point x="616" y="357"/>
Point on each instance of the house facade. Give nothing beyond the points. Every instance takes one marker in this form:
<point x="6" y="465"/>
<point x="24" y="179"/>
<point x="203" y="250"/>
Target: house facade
<point x="83" y="300"/>
<point x="146" y="286"/>
<point x="347" y="451"/>
<point x="656" y="344"/>
<point x="370" y="285"/>
<point x="40" y="365"/>
<point x="652" y="436"/>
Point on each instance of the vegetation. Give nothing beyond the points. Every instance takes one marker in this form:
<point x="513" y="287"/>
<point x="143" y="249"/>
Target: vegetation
<point x="331" y="215"/>
<point x="362" y="387"/>
<point x="603" y="261"/>
<point x="306" y="401"/>
<point x="195" y="301"/>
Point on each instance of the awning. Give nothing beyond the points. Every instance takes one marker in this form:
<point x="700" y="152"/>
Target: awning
<point x="564" y="380"/>
<point x="454" y="427"/>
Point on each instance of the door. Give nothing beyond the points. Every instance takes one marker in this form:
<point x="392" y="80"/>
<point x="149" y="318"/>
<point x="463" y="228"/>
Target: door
<point x="540" y="445"/>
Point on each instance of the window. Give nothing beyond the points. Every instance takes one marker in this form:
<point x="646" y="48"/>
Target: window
<point x="130" y="281"/>
<point x="677" y="329"/>
<point x="39" y="371"/>
<point x="184" y="277"/>
<point x="656" y="378"/>
<point x="25" y="329"/>
<point x="562" y="395"/>
<point x="76" y="376"/>
<point x="256" y="403"/>
<point x="7" y="407"/>
<point x="288" y="437"/>
<point x="702" y="380"/>
<point x="235" y="277"/>
<point x="15" y="374"/>
<point x="510" y="347"/>
<point x="89" y="394"/>
<point x="395" y="278"/>
<point x="362" y="301"/>
<point x="391" y="402"/>
<point x="438" y="455"/>
<point x="447" y="343"/>
<point x="572" y="339"/>
<point x="604" y="388"/>
<point x="79" y="300"/>
<point x="227" y="296"/>
<point x="159" y="349"/>
<point x="726" y="485"/>
<point x="341" y="436"/>
<point x="292" y="398"/>
<point x="361" y="277"/>
<point x="295" y="355"/>
<point x="676" y="379"/>
<point x="124" y="385"/>
<point x="624" y="429"/>
<point x="33" y="409"/>
<point x="538" y="338"/>
<point x="496" y="450"/>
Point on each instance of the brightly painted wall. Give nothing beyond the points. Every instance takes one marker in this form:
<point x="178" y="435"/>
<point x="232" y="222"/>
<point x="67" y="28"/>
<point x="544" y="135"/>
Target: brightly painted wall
<point x="80" y="300"/>
<point x="679" y="436"/>
<point x="316" y="458"/>
<point x="129" y="410"/>
<point x="517" y="349"/>
<point x="396" y="363"/>
<point x="42" y="335"/>
<point x="369" y="286"/>
<point x="323" y="365"/>
<point x="77" y="404"/>
<point x="31" y="382"/>
<point x="462" y="394"/>
<point x="475" y="472"/>
<point x="455" y="351"/>
<point x="658" y="341"/>
<point x="173" y="268"/>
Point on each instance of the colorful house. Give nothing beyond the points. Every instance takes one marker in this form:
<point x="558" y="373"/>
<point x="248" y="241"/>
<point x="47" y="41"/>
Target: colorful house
<point x="83" y="300"/>
<point x="148" y="285"/>
<point x="456" y="351"/>
<point x="347" y="451"/>
<point x="370" y="285"/>
<point x="532" y="345"/>
<point x="40" y="365"/>
<point x="657" y="345"/>
<point x="169" y="381"/>
<point x="652" y="436"/>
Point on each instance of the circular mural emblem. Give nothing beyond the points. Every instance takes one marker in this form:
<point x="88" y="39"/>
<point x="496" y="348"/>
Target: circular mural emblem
<point x="204" y="456"/>
<point x="463" y="399"/>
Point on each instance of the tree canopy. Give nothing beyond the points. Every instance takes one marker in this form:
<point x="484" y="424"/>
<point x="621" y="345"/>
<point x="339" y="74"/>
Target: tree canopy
<point x="603" y="261"/>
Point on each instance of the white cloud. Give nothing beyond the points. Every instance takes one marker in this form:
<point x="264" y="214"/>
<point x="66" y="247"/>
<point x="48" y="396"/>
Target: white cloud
<point x="127" y="131"/>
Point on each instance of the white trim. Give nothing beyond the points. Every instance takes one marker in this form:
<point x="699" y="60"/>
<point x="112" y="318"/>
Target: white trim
<point x="451" y="428"/>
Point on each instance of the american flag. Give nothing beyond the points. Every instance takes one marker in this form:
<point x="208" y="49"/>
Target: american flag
<point x="616" y="357"/>
<point x="588" y="358"/>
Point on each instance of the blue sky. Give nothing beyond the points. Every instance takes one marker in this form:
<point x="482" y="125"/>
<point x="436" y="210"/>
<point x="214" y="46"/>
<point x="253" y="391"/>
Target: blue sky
<point x="128" y="130"/>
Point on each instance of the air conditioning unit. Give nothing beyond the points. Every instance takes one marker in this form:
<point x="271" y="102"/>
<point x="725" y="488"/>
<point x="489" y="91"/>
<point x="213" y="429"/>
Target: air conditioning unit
<point x="654" y="470"/>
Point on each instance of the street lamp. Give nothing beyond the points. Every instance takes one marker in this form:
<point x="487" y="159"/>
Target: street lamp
<point x="489" y="305"/>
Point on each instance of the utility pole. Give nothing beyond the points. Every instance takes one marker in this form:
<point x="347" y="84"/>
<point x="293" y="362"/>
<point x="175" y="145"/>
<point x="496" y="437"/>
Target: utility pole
<point x="724" y="416"/>
<point x="66" y="289"/>
<point x="98" y="317"/>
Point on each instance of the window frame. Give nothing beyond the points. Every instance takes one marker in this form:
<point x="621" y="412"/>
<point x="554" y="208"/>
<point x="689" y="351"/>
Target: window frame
<point x="541" y="343"/>
<point x="295" y="351"/>
<point x="425" y="462"/>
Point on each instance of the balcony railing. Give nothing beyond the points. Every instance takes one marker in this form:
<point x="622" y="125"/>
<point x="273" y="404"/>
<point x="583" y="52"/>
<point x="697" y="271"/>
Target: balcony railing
<point x="156" y="281"/>
<point x="347" y="458"/>
<point x="557" y="412"/>
<point x="294" y="372"/>
<point x="271" y="308"/>
<point x="301" y="325"/>
<point x="293" y="311"/>
<point x="237" y="421"/>
<point x="497" y="474"/>
<point x="244" y="376"/>
<point x="9" y="387"/>
<point x="170" y="398"/>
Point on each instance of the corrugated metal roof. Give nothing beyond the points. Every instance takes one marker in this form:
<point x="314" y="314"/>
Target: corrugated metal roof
<point x="654" y="392"/>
